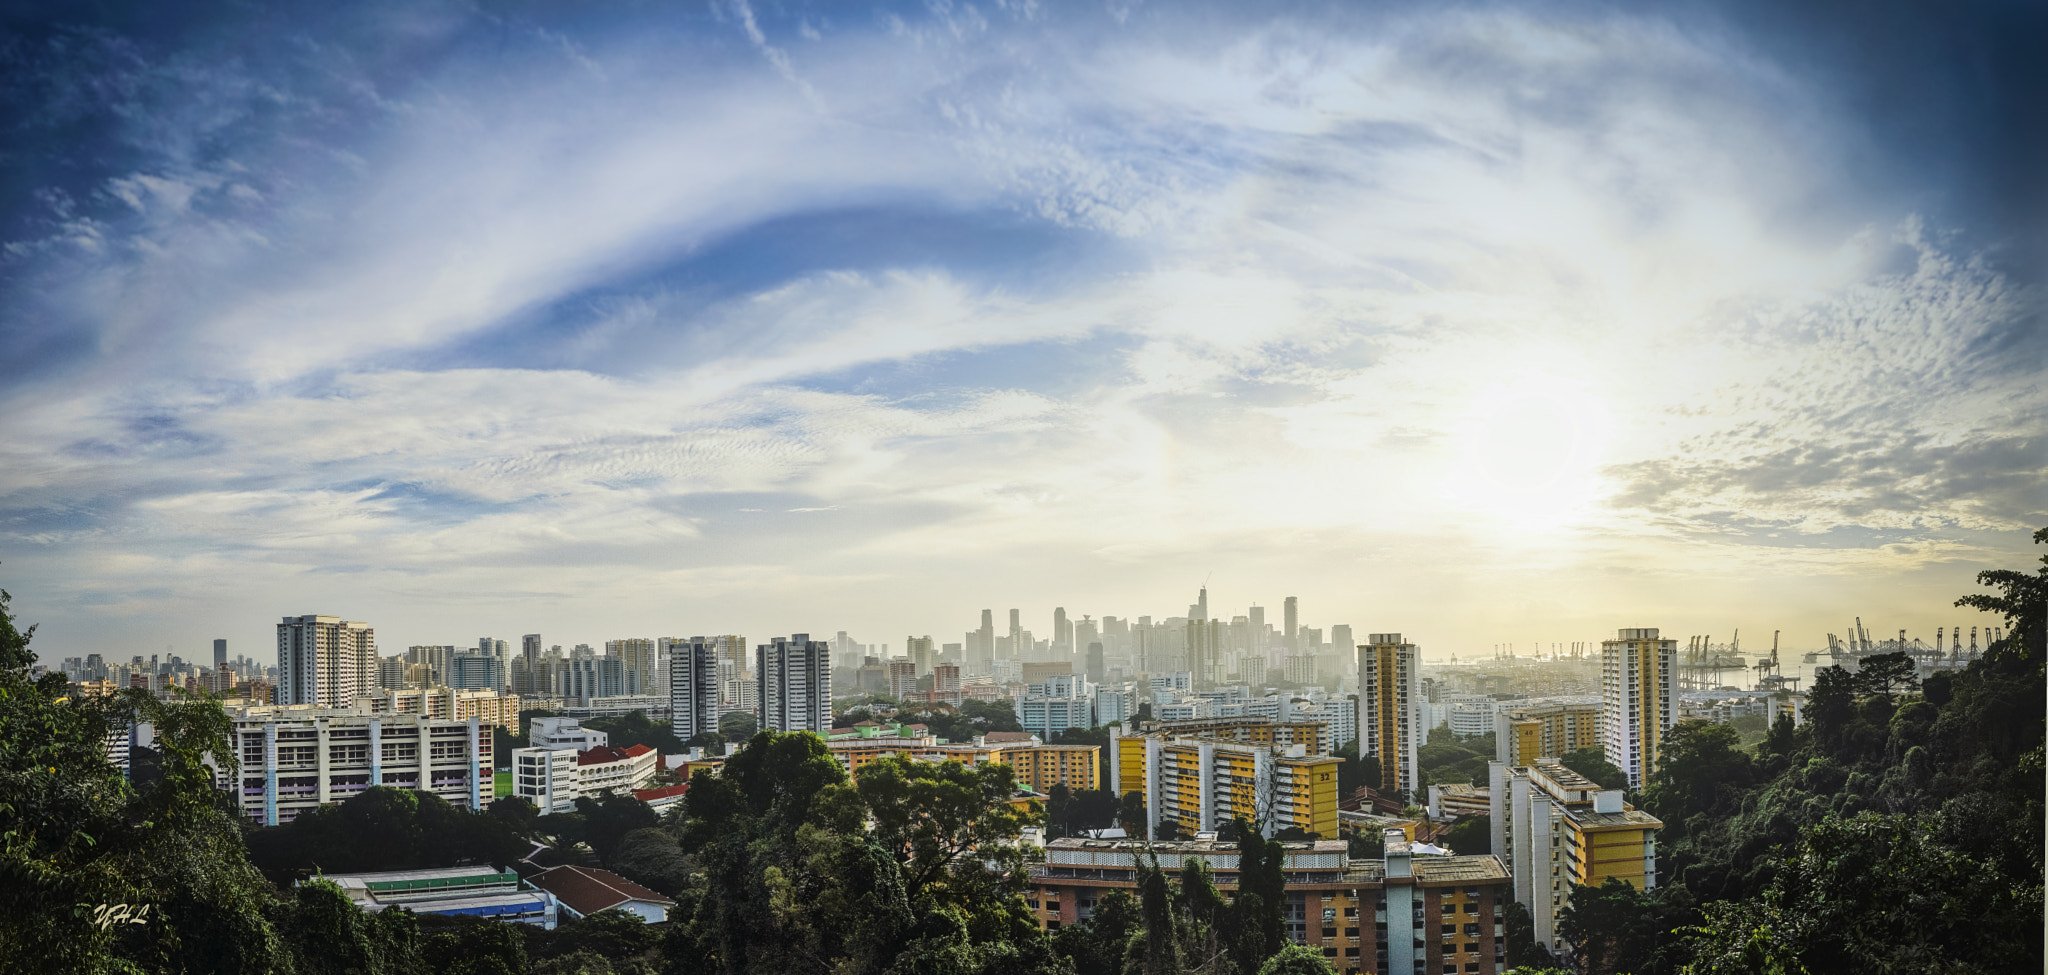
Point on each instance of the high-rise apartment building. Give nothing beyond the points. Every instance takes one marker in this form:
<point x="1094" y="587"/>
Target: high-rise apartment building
<point x="1197" y="782"/>
<point x="1095" y="667"/>
<point x="324" y="660"/>
<point x="1292" y="620"/>
<point x="1016" y="639"/>
<point x="902" y="679"/>
<point x="1556" y="830"/>
<point x="919" y="650"/>
<point x="636" y="655"/>
<point x="1062" y="634"/>
<point x="693" y="688"/>
<point x="980" y="650"/>
<point x="794" y="677"/>
<point x="529" y="648"/>
<point x="1635" y="681"/>
<point x="1389" y="721"/>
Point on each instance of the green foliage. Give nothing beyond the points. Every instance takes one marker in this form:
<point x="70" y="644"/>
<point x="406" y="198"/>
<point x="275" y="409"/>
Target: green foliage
<point x="635" y="728"/>
<point x="609" y="818"/>
<point x="654" y="859"/>
<point x="1072" y="812"/>
<point x="1875" y="893"/>
<point x="1518" y="931"/>
<point x="1356" y="770"/>
<point x="1448" y="758"/>
<point x="2023" y="600"/>
<point x="382" y="828"/>
<point x="1884" y="673"/>
<point x="1471" y="835"/>
<point x="738" y="725"/>
<point x="1297" y="959"/>
<point x="930" y="814"/>
<point x="74" y="835"/>
<point x="1096" y="946"/>
<point x="1130" y="814"/>
<point x="1615" y="928"/>
<point x="1593" y="764"/>
<point x="330" y="935"/>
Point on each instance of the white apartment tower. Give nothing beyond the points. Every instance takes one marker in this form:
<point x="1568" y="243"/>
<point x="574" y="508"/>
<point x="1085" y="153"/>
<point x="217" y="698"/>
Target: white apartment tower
<point x="1635" y="681"/>
<point x="325" y="661"/>
<point x="1389" y="709"/>
<point x="693" y="686"/>
<point x="794" y="678"/>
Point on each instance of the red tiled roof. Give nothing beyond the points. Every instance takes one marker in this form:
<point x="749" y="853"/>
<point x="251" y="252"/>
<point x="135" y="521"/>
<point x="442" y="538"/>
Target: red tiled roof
<point x="588" y="890"/>
<point x="649" y="795"/>
<point x="600" y="755"/>
<point x="638" y="750"/>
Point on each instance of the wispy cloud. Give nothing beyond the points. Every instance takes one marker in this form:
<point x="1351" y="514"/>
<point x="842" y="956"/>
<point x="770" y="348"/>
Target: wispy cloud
<point x="1023" y="304"/>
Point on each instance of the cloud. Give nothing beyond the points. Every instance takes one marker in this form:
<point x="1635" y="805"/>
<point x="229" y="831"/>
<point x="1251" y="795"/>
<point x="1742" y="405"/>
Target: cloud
<point x="900" y="314"/>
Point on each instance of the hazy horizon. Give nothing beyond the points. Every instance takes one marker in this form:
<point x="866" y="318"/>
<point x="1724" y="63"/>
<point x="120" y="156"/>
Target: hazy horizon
<point x="1464" y="322"/>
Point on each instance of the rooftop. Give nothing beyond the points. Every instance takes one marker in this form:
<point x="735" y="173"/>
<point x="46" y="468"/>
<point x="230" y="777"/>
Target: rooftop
<point x="588" y="890"/>
<point x="478" y="874"/>
<point x="1459" y="869"/>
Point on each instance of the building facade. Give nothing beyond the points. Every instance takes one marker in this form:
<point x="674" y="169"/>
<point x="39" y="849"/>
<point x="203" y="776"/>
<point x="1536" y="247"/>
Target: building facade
<point x="1555" y="828"/>
<point x="1635" y="682"/>
<point x="1389" y="723"/>
<point x="794" y="684"/>
<point x="489" y="707"/>
<point x="693" y="688"/>
<point x="1401" y="915"/>
<point x="1524" y="733"/>
<point x="325" y="660"/>
<point x="1194" y="784"/>
<point x="296" y="758"/>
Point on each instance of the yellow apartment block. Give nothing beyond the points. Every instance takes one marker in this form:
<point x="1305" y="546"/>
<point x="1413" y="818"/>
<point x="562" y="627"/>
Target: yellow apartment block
<point x="1201" y="783"/>
<point x="1556" y="828"/>
<point x="1399" y="915"/>
<point x="1524" y="734"/>
<point x="1037" y="767"/>
<point x="1312" y="736"/>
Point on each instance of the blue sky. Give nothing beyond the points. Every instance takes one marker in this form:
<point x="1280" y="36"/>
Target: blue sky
<point x="1478" y="322"/>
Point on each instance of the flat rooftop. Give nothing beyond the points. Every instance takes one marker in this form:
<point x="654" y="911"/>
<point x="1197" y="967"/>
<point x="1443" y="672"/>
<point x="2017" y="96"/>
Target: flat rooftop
<point x="1459" y="869"/>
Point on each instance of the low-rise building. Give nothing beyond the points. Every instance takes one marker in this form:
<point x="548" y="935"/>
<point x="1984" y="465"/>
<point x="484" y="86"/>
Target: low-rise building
<point x="1555" y="828"/>
<point x="1038" y="766"/>
<point x="554" y="778"/>
<point x="301" y="756"/>
<point x="489" y="707"/>
<point x="473" y="891"/>
<point x="584" y="891"/>
<point x="1523" y="733"/>
<point x="1403" y="914"/>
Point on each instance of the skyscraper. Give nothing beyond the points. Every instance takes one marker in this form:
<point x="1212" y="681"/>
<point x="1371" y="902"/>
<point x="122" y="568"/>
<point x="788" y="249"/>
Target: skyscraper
<point x="919" y="650"/>
<point x="981" y="645"/>
<point x="1292" y="619"/>
<point x="1635" y="677"/>
<point x="1389" y="712"/>
<point x="325" y="660"/>
<point x="1257" y="621"/>
<point x="220" y="654"/>
<point x="1096" y="670"/>
<point x="529" y="647"/>
<point x="1062" y="634"/>
<point x="693" y="686"/>
<point x="1017" y="650"/>
<point x="794" y="677"/>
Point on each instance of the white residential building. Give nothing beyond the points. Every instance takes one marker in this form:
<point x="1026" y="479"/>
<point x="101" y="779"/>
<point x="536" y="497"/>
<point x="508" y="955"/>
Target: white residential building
<point x="794" y="684"/>
<point x="325" y="660"/>
<point x="693" y="689"/>
<point x="298" y="757"/>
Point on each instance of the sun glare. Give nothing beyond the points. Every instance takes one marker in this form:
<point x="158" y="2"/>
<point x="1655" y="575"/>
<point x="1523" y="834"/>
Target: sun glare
<point x="1527" y="451"/>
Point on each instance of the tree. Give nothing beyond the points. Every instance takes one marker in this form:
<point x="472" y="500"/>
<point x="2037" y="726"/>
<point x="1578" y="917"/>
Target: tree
<point x="75" y="836"/>
<point x="1296" y="959"/>
<point x="1696" y="762"/>
<point x="1518" y="930"/>
<point x="1593" y="764"/>
<point x="2023" y="601"/>
<point x="635" y="728"/>
<point x="1612" y="928"/>
<point x="738" y="725"/>
<point x="1096" y="945"/>
<point x="930" y="814"/>
<point x="1257" y="915"/>
<point x="1880" y="673"/>
<point x="609" y="818"/>
<point x="1356" y="770"/>
<point x="1472" y="835"/>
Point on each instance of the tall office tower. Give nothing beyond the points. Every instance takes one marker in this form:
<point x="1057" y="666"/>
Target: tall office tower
<point x="220" y="654"/>
<point x="1257" y="621"/>
<point x="1096" y="670"/>
<point x="1062" y="634"/>
<point x="325" y="660"/>
<point x="476" y="672"/>
<point x="1291" y="619"/>
<point x="1016" y="636"/>
<point x="1389" y="709"/>
<point x="693" y="686"/>
<point x="1340" y="636"/>
<point x="636" y="654"/>
<point x="919" y="649"/>
<point x="794" y="679"/>
<point x="1202" y="605"/>
<point x="1635" y="675"/>
<point x="529" y="647"/>
<point x="981" y="645"/>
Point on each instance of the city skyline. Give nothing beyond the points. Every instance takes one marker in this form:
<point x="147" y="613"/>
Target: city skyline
<point x="1463" y="323"/>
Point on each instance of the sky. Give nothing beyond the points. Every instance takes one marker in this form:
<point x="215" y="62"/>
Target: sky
<point x="1483" y="323"/>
